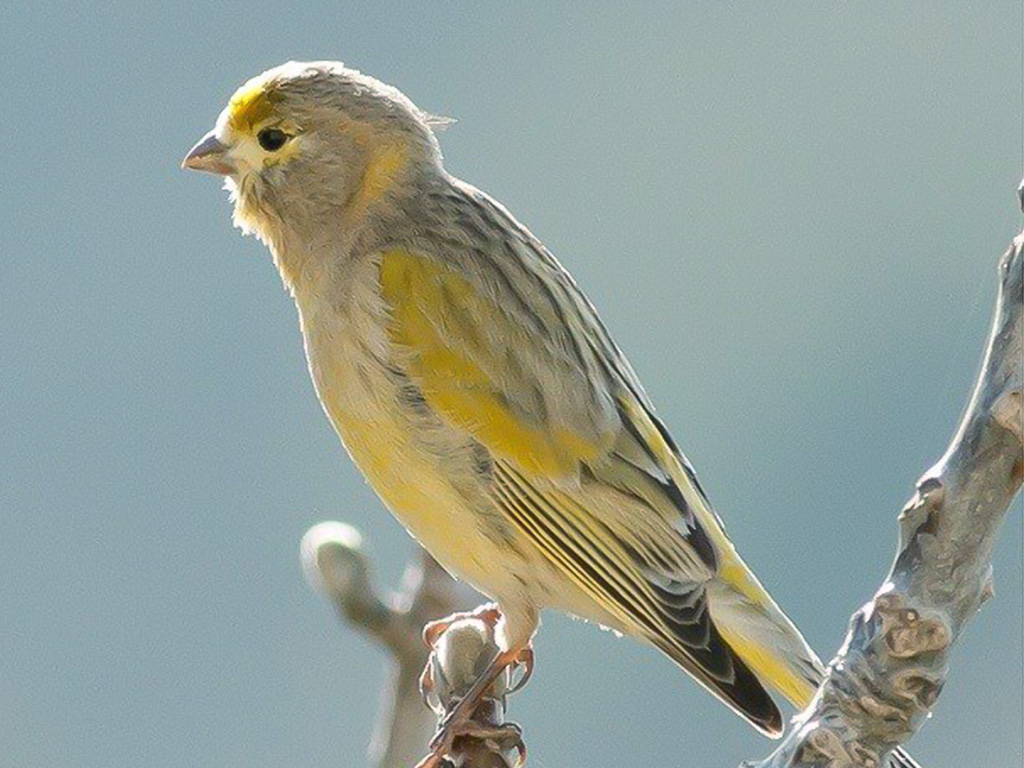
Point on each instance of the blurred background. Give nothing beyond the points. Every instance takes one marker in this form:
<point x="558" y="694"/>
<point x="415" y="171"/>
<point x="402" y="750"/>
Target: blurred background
<point x="789" y="217"/>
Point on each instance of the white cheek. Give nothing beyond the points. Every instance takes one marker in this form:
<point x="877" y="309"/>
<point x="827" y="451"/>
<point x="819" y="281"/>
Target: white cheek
<point x="247" y="156"/>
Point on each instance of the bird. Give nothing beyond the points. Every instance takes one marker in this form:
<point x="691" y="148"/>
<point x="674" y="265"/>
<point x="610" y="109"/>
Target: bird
<point x="474" y="385"/>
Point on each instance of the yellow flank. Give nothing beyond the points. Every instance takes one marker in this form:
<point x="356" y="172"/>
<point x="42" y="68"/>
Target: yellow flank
<point x="413" y="488"/>
<point x="424" y="297"/>
<point x="376" y="442"/>
<point x="768" y="667"/>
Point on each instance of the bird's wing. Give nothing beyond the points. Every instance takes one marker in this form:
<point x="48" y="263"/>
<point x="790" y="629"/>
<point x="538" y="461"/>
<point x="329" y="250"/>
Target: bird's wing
<point x="504" y="347"/>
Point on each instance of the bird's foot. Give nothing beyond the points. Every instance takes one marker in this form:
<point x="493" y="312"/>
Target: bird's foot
<point x="460" y="737"/>
<point x="525" y="659"/>
<point x="496" y="737"/>
<point x="487" y="613"/>
<point x="475" y="738"/>
<point x="462" y="716"/>
<point x="432" y="631"/>
<point x="473" y="714"/>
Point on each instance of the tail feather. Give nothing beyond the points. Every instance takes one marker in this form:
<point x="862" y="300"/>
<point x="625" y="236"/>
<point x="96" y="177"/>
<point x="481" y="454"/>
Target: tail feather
<point x="900" y="759"/>
<point x="763" y="636"/>
<point x="719" y="669"/>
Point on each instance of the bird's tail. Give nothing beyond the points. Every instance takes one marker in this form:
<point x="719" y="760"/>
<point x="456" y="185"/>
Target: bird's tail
<point x="764" y="637"/>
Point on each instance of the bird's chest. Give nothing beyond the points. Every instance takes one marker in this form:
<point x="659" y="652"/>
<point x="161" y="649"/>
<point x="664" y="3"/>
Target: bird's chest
<point x="350" y="361"/>
<point x="413" y="465"/>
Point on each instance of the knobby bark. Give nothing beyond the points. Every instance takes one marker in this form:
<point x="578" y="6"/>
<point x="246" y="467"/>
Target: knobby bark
<point x="890" y="670"/>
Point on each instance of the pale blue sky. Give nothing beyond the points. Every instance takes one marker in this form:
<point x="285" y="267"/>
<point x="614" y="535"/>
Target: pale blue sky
<point x="788" y="214"/>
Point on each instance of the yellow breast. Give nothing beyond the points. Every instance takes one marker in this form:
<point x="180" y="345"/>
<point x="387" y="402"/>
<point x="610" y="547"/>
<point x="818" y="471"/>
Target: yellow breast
<point x="363" y="404"/>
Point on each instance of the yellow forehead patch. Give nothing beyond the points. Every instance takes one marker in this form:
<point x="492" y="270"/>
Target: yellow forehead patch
<point x="251" y="105"/>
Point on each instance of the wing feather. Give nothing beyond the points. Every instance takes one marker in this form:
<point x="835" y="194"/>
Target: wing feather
<point x="578" y="461"/>
<point x="672" y="613"/>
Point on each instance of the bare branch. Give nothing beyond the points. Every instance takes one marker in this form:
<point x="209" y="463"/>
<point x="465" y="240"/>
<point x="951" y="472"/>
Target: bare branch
<point x="894" y="662"/>
<point x="459" y="656"/>
<point x="336" y="565"/>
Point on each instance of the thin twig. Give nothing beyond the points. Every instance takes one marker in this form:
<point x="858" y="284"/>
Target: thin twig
<point x="335" y="564"/>
<point x="458" y="658"/>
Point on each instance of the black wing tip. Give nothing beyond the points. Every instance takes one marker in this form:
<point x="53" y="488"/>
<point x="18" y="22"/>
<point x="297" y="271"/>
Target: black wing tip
<point x="748" y="695"/>
<point x="750" y="700"/>
<point x="769" y="723"/>
<point x="744" y="693"/>
<point x="900" y="759"/>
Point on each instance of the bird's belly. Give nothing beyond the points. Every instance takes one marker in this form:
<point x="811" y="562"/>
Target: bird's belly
<point x="418" y="489"/>
<point x="416" y="482"/>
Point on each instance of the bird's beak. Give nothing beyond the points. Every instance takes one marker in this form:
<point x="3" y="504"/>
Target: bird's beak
<point x="209" y="155"/>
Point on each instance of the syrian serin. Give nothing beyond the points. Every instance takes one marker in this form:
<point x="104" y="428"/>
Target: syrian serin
<point x="474" y="385"/>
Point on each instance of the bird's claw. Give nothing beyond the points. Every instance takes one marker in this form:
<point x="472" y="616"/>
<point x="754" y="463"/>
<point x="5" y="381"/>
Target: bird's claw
<point x="526" y="660"/>
<point x="497" y="737"/>
<point x="501" y="737"/>
<point x="426" y="683"/>
<point x="444" y="736"/>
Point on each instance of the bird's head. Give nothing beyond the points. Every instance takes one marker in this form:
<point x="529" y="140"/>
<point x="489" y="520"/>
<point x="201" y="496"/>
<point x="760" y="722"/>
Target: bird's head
<point x="304" y="143"/>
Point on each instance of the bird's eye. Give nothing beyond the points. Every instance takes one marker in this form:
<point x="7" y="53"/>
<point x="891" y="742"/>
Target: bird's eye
<point x="272" y="139"/>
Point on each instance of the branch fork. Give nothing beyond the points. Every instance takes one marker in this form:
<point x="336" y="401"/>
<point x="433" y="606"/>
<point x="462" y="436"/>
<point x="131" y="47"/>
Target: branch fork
<point x="439" y="671"/>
